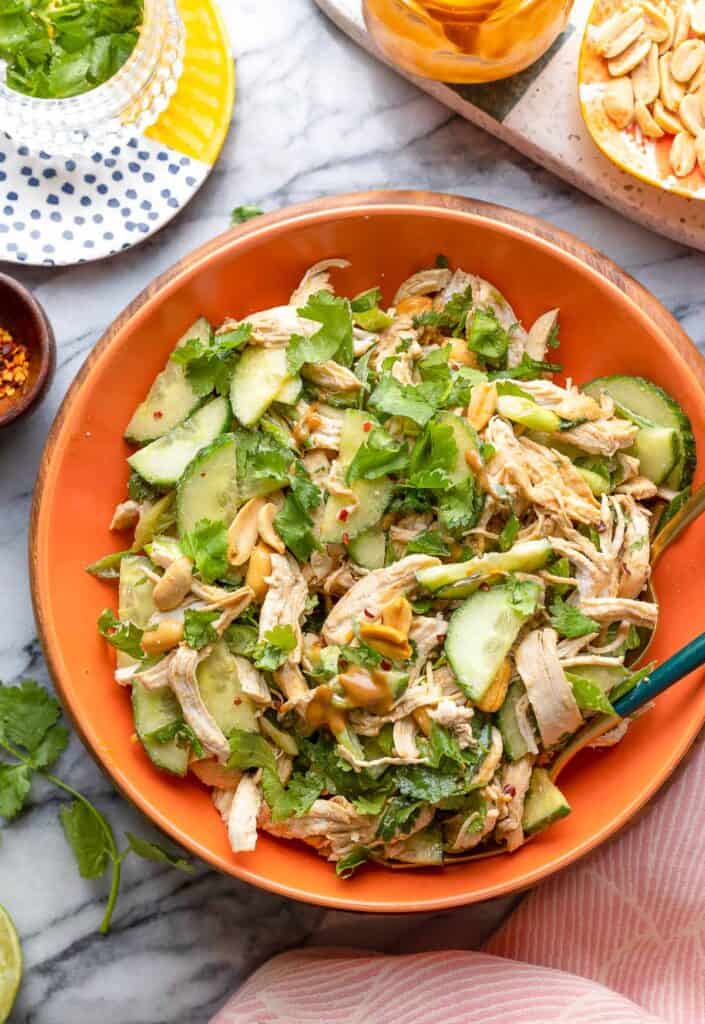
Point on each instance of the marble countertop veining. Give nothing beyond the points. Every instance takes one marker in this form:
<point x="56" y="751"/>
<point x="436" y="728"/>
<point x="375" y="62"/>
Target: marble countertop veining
<point x="314" y="116"/>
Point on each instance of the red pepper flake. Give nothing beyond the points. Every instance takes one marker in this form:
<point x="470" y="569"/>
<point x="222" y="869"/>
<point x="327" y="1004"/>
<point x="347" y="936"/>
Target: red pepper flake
<point x="369" y="614"/>
<point x="237" y="701"/>
<point x="158" y="414"/>
<point x="346" y="539"/>
<point x="367" y="426"/>
<point x="386" y="665"/>
<point x="509" y="791"/>
<point x="343" y="514"/>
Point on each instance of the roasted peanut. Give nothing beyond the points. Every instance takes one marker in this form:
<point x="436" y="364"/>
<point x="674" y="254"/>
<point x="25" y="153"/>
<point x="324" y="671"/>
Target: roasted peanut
<point x="614" y="29"/>
<point x="700" y="151"/>
<point x="258" y="570"/>
<point x="671" y="92"/>
<point x="423" y="720"/>
<point x="687" y="59"/>
<point x="645" y="77"/>
<point x="648" y="126"/>
<point x="413" y="305"/>
<point x="242" y="534"/>
<point x="493" y="698"/>
<point x="697" y="18"/>
<point x="483" y="402"/>
<point x="691" y="114"/>
<point x="618" y="102"/>
<point x="669" y="122"/>
<point x="629" y="59"/>
<point x="167" y="635"/>
<point x="267" y="530"/>
<point x="174" y="585"/>
<point x="657" y="27"/>
<point x="398" y="615"/>
<point x="461" y="354"/>
<point x="682" y="29"/>
<point x="682" y="155"/>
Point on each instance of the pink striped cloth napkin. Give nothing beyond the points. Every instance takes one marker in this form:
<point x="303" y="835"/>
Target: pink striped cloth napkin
<point x="619" y="939"/>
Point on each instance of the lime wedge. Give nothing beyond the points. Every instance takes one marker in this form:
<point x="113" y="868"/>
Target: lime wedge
<point x="10" y="964"/>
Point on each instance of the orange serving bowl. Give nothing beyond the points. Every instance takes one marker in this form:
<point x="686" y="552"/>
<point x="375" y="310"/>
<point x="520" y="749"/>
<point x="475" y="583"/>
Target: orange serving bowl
<point x="609" y="324"/>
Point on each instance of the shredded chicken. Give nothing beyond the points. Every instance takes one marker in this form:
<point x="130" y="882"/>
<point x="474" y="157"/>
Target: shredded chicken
<point x="365" y="600"/>
<point x="331" y="376"/>
<point x="273" y="328"/>
<point x="620" y="609"/>
<point x="540" y="334"/>
<point x="425" y="282"/>
<point x="316" y="279"/>
<point x="549" y="691"/>
<point x="601" y="437"/>
<point x="333" y="826"/>
<point x="252" y="682"/>
<point x="125" y="515"/>
<point x="568" y="403"/>
<point x="183" y="681"/>
<point x="243" y="813"/>
<point x="285" y="600"/>
<point x="515" y="779"/>
<point x="404" y="737"/>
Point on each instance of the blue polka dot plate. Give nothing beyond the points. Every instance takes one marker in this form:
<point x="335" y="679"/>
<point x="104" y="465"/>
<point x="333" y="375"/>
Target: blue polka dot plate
<point x="56" y="211"/>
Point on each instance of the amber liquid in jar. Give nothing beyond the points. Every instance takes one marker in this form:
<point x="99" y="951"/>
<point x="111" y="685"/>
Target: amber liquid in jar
<point x="465" y="40"/>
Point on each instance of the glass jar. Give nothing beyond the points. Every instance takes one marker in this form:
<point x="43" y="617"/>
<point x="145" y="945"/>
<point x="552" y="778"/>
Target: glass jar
<point x="465" y="40"/>
<point x="122" y="107"/>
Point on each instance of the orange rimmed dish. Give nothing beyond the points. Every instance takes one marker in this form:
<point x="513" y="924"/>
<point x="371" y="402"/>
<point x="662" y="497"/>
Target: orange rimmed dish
<point x="609" y="325"/>
<point x="647" y="159"/>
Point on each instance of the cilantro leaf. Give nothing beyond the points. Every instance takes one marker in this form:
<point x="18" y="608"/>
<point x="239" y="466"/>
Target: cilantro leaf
<point x="244" y="213"/>
<point x="124" y="636"/>
<point x="52" y="746"/>
<point x="488" y="338"/>
<point x="509" y="532"/>
<point x="207" y="546"/>
<point x="524" y="595"/>
<point x="241" y="639"/>
<point x="15" y="783"/>
<point x="293" y="522"/>
<point x="395" y="399"/>
<point x="442" y="744"/>
<point x="294" y="799"/>
<point x="588" y="695"/>
<point x="429" y="542"/>
<point x="452" y="317"/>
<point x="154" y="852"/>
<point x="527" y="369"/>
<point x="569" y="621"/>
<point x="210" y="366"/>
<point x="273" y="650"/>
<point x="363" y="655"/>
<point x="180" y="731"/>
<point x="250" y="750"/>
<point x="366" y="301"/>
<point x="85" y="831"/>
<point x="261" y="458"/>
<point x="433" y="458"/>
<point x="460" y="508"/>
<point x="332" y="341"/>
<point x="139" y="490"/>
<point x="348" y="864"/>
<point x="198" y="628"/>
<point x="366" y="311"/>
<point x="379" y="455"/>
<point x="397" y="817"/>
<point x="27" y="713"/>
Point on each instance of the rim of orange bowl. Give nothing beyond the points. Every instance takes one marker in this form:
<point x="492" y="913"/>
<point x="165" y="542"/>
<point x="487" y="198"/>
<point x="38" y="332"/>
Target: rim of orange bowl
<point x="502" y="219"/>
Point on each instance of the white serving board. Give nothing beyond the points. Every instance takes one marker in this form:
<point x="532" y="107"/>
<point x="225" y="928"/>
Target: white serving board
<point x="537" y="112"/>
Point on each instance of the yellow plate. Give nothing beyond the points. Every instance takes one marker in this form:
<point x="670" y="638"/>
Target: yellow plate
<point x="198" y="116"/>
<point x="646" y="159"/>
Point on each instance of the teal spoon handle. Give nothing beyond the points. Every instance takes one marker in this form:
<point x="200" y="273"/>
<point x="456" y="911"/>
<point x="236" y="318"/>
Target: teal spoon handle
<point x="690" y="657"/>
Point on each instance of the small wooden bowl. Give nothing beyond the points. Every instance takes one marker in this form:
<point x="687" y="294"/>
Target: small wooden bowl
<point x="23" y="318"/>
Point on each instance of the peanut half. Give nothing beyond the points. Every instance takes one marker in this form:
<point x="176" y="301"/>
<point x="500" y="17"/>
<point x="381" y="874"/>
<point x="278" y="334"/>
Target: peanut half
<point x="687" y="59"/>
<point x="682" y="154"/>
<point x="629" y="59"/>
<point x="618" y="101"/>
<point x="645" y="77"/>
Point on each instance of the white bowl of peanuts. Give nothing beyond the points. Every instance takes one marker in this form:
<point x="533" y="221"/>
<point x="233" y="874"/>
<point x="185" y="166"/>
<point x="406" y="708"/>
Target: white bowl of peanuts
<point x="641" y="82"/>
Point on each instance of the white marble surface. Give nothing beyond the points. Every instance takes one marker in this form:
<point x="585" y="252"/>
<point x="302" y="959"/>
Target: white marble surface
<point x="314" y="115"/>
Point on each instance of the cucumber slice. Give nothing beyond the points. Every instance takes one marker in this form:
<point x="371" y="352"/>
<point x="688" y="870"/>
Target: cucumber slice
<point x="465" y="439"/>
<point x="597" y="484"/>
<point x="658" y="450"/>
<point x="515" y="742"/>
<point x="163" y="461"/>
<point x="222" y="694"/>
<point x="647" y="404"/>
<point x="424" y="847"/>
<point x="208" y="488"/>
<point x="372" y="495"/>
<point x="259" y="377"/>
<point x="528" y="413"/>
<point x="135" y="591"/>
<point x="369" y="549"/>
<point x="480" y="635"/>
<point x="526" y="556"/>
<point x="170" y="399"/>
<point x="604" y="676"/>
<point x="290" y="390"/>
<point x="544" y="803"/>
<point x="153" y="709"/>
<point x="554" y="441"/>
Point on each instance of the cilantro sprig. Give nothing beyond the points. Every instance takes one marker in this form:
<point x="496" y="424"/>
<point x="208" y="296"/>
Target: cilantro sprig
<point x="32" y="739"/>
